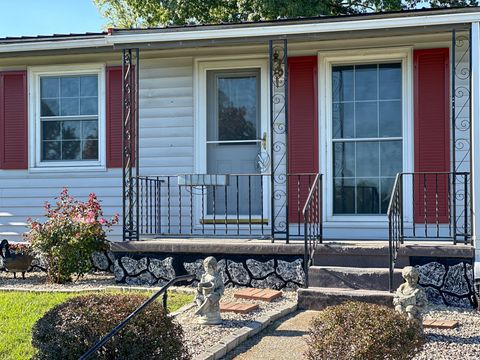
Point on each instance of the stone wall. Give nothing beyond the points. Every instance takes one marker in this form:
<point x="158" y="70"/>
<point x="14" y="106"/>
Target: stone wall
<point x="262" y="271"/>
<point x="447" y="281"/>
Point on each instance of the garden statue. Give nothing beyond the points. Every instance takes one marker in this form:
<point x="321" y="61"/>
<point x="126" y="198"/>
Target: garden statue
<point x="410" y="298"/>
<point x="209" y="291"/>
<point x="16" y="257"/>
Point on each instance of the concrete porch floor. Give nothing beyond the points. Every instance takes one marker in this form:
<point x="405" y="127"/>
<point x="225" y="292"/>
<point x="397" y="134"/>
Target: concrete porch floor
<point x="295" y="247"/>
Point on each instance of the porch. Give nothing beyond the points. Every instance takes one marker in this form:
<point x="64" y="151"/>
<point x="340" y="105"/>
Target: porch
<point x="303" y="201"/>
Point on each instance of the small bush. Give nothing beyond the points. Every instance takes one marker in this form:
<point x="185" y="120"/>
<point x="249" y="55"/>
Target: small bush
<point x="70" y="329"/>
<point x="73" y="231"/>
<point x="359" y="331"/>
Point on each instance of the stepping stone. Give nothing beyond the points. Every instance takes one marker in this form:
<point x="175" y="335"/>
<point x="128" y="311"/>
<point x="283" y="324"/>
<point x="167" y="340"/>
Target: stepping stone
<point x="238" y="307"/>
<point x="258" y="294"/>
<point x="440" y="324"/>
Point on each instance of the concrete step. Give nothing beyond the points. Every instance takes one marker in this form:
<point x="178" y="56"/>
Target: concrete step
<point x="353" y="278"/>
<point x="318" y="298"/>
<point x="370" y="256"/>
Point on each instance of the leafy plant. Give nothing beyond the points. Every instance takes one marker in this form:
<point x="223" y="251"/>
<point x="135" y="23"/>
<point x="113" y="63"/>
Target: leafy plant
<point x="73" y="231"/>
<point x="360" y="331"/>
<point x="70" y="329"/>
<point x="20" y="249"/>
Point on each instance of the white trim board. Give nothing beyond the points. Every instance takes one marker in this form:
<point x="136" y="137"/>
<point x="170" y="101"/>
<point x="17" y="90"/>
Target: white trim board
<point x="295" y="29"/>
<point x="361" y="23"/>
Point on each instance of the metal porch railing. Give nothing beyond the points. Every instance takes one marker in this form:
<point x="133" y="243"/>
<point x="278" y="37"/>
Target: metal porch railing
<point x="222" y="205"/>
<point x="428" y="206"/>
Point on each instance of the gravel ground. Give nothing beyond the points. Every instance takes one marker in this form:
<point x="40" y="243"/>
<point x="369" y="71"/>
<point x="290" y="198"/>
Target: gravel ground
<point x="201" y="337"/>
<point x="38" y="281"/>
<point x="462" y="342"/>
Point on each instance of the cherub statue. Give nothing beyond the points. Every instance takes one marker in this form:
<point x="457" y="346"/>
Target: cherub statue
<point x="209" y="291"/>
<point x="410" y="298"/>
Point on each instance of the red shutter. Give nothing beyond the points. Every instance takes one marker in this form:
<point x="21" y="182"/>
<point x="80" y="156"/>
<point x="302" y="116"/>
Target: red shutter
<point x="114" y="116"/>
<point x="13" y="120"/>
<point x="302" y="130"/>
<point x="432" y="133"/>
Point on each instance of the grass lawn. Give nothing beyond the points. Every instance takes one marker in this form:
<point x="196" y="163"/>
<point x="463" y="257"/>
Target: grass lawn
<point x="20" y="310"/>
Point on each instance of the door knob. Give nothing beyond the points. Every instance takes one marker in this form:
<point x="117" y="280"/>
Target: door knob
<point x="264" y="141"/>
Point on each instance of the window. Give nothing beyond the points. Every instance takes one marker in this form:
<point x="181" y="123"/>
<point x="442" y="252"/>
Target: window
<point x="69" y="118"/>
<point x="366" y="136"/>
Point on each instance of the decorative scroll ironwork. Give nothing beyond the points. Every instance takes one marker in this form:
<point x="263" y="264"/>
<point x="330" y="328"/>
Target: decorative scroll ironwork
<point x="130" y="68"/>
<point x="278" y="57"/>
<point x="461" y="128"/>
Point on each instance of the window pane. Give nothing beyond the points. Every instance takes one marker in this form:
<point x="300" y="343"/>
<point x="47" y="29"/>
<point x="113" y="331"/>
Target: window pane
<point x="342" y="83"/>
<point x="88" y="86"/>
<point x="237" y="108"/>
<point x="49" y="87"/>
<point x="390" y="81"/>
<point x="368" y="196"/>
<point x="343" y="120"/>
<point x="69" y="86"/>
<point x="71" y="130"/>
<point x="69" y="107"/>
<point x="367" y="159"/>
<point x="71" y="150"/>
<point x="344" y="159"/>
<point x="90" y="150"/>
<point x="51" y="150"/>
<point x="49" y="107"/>
<point x="365" y="82"/>
<point x="386" y="185"/>
<point x="344" y="196"/>
<point x="390" y="158"/>
<point x="366" y="119"/>
<point x="89" y="106"/>
<point x="51" y="130"/>
<point x="390" y="118"/>
<point x="90" y="129"/>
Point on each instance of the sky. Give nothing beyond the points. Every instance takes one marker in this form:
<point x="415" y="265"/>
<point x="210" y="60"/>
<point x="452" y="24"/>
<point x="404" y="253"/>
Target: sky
<point x="46" y="17"/>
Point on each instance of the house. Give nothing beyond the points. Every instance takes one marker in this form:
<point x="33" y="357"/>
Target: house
<point x="267" y="138"/>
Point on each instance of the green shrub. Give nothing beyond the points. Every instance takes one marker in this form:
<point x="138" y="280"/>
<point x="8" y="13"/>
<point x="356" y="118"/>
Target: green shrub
<point x="70" y="329"/>
<point x="73" y="231"/>
<point x="359" y="331"/>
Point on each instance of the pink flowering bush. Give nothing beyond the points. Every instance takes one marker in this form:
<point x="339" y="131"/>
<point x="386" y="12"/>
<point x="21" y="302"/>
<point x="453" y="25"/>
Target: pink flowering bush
<point x="73" y="231"/>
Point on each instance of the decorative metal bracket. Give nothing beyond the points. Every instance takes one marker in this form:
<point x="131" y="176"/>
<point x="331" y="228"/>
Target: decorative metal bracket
<point x="278" y="61"/>
<point x="130" y="143"/>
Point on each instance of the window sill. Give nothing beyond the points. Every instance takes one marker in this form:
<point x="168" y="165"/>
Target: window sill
<point x="67" y="169"/>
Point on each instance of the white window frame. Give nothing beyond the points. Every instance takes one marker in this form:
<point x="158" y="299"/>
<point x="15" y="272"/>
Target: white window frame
<point x="326" y="60"/>
<point x="35" y="162"/>
<point x="201" y="67"/>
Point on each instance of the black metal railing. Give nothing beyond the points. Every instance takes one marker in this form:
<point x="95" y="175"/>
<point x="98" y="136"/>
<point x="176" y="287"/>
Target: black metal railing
<point x="116" y="329"/>
<point x="233" y="205"/>
<point x="312" y="223"/>
<point x="428" y="206"/>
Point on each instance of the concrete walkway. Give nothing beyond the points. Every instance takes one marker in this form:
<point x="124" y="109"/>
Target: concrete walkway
<point x="283" y="340"/>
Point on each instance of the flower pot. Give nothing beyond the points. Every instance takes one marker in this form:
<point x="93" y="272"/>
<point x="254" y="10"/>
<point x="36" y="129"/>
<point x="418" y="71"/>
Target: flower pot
<point x="18" y="263"/>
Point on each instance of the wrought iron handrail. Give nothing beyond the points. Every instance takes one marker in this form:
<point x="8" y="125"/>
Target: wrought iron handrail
<point x="440" y="210"/>
<point x="312" y="223"/>
<point x="395" y="229"/>
<point x="121" y="325"/>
